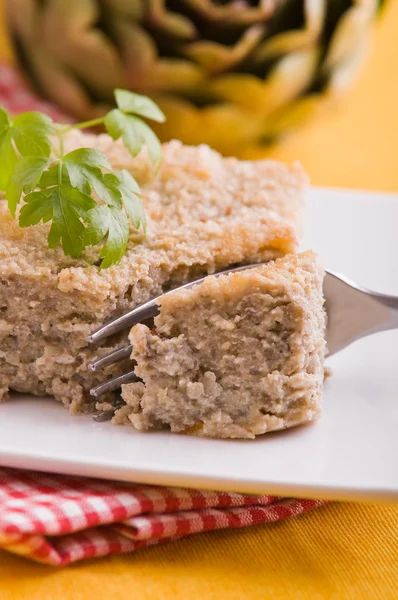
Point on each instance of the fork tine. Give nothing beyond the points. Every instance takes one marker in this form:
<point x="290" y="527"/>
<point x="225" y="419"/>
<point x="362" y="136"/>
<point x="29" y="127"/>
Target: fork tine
<point x="141" y="313"/>
<point x="150" y="309"/>
<point x="113" y="384"/>
<point x="111" y="358"/>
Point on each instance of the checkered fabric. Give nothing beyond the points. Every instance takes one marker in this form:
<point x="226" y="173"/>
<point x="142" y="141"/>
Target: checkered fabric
<point x="59" y="519"/>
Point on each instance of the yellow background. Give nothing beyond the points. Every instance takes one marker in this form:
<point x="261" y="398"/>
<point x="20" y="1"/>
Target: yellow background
<point x="341" y="551"/>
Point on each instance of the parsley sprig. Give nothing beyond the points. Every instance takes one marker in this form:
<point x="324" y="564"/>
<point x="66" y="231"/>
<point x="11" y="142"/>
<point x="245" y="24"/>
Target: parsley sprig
<point x="84" y="198"/>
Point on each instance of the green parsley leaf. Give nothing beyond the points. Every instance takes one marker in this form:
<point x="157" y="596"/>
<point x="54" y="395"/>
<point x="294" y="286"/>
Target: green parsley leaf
<point x="38" y="208"/>
<point x="30" y="132"/>
<point x="58" y="187"/>
<point x="109" y="223"/>
<point x="131" y="200"/>
<point x="79" y="171"/>
<point x="83" y="202"/>
<point x="129" y="102"/>
<point x="135" y="133"/>
<point x="25" y="178"/>
<point x="117" y="238"/>
<point x="8" y="159"/>
<point x="50" y="178"/>
<point x="109" y="191"/>
<point x="149" y="139"/>
<point x="68" y="206"/>
<point x="4" y="121"/>
<point x="84" y="166"/>
<point x="8" y="156"/>
<point x="88" y="157"/>
<point x="115" y="122"/>
<point x="97" y="225"/>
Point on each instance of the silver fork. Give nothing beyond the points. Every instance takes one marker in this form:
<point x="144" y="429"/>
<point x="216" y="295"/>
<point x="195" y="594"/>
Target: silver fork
<point x="353" y="313"/>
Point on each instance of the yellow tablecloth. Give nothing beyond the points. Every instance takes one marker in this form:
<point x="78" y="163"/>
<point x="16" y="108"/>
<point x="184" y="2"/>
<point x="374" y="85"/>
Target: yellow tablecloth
<point x="342" y="551"/>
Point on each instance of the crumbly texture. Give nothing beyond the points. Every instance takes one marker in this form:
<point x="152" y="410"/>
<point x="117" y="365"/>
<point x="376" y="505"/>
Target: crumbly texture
<point x="236" y="356"/>
<point x="204" y="213"/>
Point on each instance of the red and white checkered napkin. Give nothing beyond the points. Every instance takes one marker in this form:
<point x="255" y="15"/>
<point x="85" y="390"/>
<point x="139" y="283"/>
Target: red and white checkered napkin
<point x="59" y="519"/>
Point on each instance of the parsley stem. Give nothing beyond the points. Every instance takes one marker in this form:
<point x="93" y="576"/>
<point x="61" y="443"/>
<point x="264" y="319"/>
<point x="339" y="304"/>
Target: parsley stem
<point x="61" y="143"/>
<point x="85" y="124"/>
<point x="60" y="172"/>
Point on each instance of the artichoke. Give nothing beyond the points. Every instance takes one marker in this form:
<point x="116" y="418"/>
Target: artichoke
<point x="234" y="74"/>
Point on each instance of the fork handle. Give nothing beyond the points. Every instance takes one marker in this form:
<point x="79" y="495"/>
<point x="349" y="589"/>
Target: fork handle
<point x="390" y="302"/>
<point x="355" y="312"/>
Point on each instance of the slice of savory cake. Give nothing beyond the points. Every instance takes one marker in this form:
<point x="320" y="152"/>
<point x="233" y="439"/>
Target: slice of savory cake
<point x="235" y="356"/>
<point x="204" y="213"/>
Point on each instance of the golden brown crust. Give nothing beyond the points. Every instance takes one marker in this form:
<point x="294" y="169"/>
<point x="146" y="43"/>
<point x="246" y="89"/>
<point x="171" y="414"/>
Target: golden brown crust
<point x="291" y="275"/>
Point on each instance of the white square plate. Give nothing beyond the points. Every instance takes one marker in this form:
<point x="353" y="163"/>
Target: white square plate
<point x="350" y="453"/>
